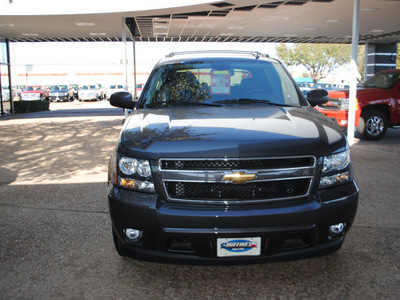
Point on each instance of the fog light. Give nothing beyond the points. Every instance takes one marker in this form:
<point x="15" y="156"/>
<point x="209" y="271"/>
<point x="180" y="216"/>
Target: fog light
<point x="133" y="234"/>
<point x="337" y="228"/>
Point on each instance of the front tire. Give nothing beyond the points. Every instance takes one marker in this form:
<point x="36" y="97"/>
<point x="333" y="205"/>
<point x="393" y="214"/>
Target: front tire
<point x="373" y="125"/>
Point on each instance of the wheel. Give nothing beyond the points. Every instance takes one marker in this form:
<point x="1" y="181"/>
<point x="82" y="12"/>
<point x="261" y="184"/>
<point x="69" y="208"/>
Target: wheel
<point x="373" y="125"/>
<point x="119" y="246"/>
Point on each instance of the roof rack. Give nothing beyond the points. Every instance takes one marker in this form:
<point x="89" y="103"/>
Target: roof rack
<point x="256" y="54"/>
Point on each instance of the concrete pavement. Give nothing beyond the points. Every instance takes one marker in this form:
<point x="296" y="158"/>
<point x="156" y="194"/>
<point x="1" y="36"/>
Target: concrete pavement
<point x="55" y="231"/>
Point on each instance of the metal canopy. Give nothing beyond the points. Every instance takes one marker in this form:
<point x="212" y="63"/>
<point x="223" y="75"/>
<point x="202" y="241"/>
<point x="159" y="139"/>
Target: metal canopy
<point x="294" y="21"/>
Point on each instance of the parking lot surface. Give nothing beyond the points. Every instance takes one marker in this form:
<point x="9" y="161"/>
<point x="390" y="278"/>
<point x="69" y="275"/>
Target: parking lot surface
<point x="55" y="231"/>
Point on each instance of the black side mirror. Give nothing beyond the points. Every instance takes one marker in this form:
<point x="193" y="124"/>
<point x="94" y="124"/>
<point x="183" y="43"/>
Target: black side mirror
<point x="317" y="97"/>
<point x="122" y="100"/>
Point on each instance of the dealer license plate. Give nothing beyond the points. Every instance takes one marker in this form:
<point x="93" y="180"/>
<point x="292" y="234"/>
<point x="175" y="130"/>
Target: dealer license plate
<point x="248" y="246"/>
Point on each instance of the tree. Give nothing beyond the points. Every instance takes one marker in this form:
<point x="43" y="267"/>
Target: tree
<point x="318" y="59"/>
<point x="361" y="63"/>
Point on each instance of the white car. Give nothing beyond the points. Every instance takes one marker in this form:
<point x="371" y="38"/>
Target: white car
<point x="113" y="89"/>
<point x="88" y="93"/>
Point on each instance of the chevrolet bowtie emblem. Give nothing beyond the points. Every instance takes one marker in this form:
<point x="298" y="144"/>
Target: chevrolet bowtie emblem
<point x="239" y="176"/>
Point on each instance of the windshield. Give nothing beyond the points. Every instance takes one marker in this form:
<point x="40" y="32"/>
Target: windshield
<point x="33" y="88"/>
<point x="59" y="88"/>
<point x="88" y="87"/>
<point x="220" y="82"/>
<point x="382" y="80"/>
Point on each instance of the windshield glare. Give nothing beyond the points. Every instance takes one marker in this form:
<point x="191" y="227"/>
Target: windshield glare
<point x="382" y="80"/>
<point x="209" y="82"/>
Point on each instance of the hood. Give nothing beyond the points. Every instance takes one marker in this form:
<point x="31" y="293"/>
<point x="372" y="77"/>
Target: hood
<point x="229" y="131"/>
<point x="32" y="92"/>
<point x="58" y="91"/>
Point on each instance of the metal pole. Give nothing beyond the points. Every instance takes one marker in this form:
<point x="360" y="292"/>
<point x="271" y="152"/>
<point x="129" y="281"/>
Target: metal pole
<point x="9" y="77"/>
<point x="354" y="72"/>
<point x="125" y="65"/>
<point x="365" y="62"/>
<point x="134" y="67"/>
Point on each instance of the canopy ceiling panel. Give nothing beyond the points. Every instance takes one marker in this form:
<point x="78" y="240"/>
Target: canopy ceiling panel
<point x="308" y="21"/>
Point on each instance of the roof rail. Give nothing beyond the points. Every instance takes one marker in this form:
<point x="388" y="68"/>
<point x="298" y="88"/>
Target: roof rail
<point x="256" y="54"/>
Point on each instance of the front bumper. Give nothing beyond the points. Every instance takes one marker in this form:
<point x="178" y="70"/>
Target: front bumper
<point x="188" y="233"/>
<point x="31" y="97"/>
<point x="340" y="116"/>
<point x="88" y="97"/>
<point x="59" y="98"/>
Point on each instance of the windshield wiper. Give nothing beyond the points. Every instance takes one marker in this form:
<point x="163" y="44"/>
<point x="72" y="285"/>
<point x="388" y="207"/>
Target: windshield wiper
<point x="178" y="103"/>
<point x="250" y="101"/>
<point x="198" y="103"/>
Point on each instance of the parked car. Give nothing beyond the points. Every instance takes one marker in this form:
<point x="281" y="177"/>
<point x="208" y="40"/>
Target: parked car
<point x="219" y="166"/>
<point x="73" y="88"/>
<point x="102" y="91"/>
<point x="35" y="92"/>
<point x="378" y="106"/>
<point x="325" y="86"/>
<point x="139" y="89"/>
<point x="113" y="89"/>
<point x="61" y="93"/>
<point x="337" y="108"/>
<point x="89" y="92"/>
<point x="305" y="87"/>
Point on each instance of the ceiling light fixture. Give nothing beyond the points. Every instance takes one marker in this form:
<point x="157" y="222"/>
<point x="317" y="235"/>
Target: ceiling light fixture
<point x="83" y="24"/>
<point x="235" y="27"/>
<point x="97" y="34"/>
<point x="332" y="21"/>
<point x="377" y="31"/>
<point x="368" y="9"/>
<point x="249" y="18"/>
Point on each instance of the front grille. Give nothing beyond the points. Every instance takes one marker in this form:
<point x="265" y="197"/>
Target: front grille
<point x="224" y="181"/>
<point x="332" y="104"/>
<point x="237" y="192"/>
<point x="221" y="164"/>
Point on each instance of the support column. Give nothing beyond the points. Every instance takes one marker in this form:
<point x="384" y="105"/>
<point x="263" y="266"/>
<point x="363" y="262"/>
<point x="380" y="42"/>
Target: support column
<point x="125" y="62"/>
<point x="354" y="72"/>
<point x="380" y="57"/>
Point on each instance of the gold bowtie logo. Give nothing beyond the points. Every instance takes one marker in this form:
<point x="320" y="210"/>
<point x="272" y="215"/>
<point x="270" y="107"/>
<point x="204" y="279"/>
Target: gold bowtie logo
<point x="239" y="176"/>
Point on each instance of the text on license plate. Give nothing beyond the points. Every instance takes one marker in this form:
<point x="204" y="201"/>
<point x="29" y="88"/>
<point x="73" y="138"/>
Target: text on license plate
<point x="249" y="246"/>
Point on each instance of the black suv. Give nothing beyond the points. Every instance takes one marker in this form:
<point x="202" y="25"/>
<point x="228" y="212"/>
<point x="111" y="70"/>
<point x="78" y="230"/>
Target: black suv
<point x="223" y="160"/>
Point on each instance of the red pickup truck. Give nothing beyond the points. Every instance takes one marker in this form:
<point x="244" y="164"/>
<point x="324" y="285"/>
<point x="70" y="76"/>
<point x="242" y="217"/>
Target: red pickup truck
<point x="35" y="92"/>
<point x="377" y="109"/>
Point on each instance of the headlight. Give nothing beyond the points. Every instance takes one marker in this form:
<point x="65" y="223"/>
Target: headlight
<point x="344" y="104"/>
<point x="336" y="169"/>
<point x="136" y="174"/>
<point x="128" y="165"/>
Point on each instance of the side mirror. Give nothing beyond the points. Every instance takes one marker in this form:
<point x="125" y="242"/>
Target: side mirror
<point x="122" y="100"/>
<point x="317" y="97"/>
